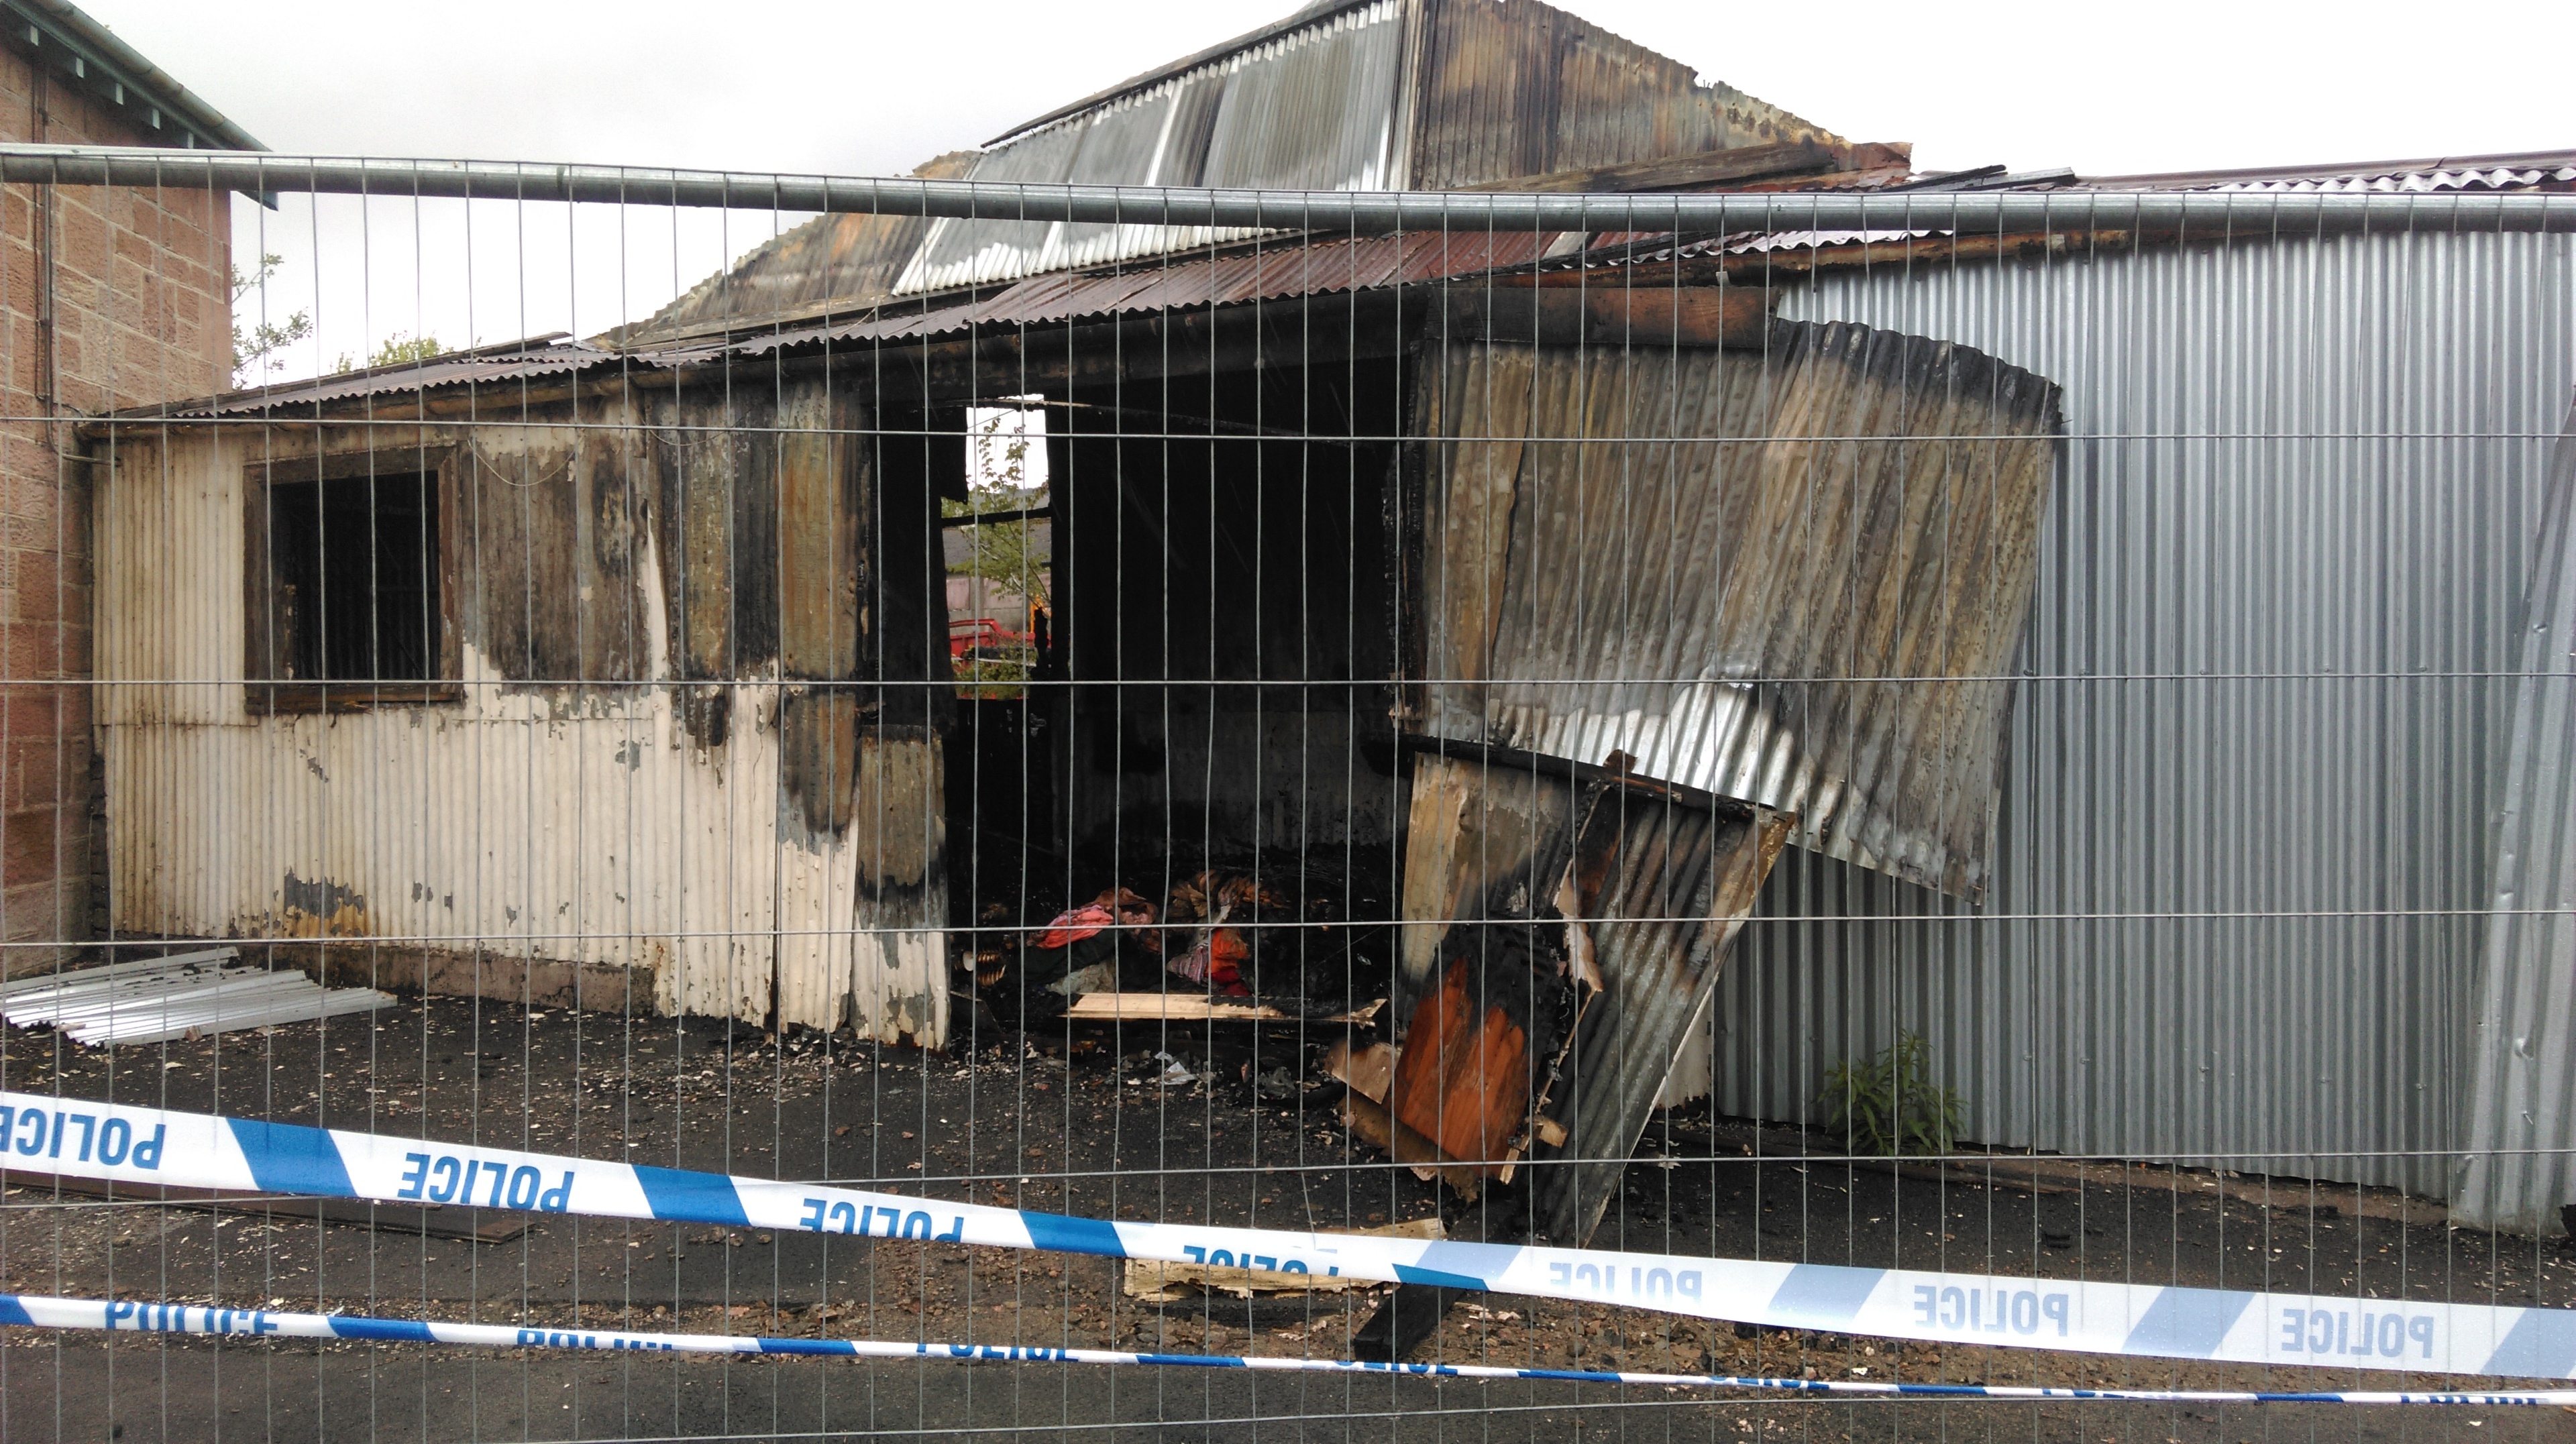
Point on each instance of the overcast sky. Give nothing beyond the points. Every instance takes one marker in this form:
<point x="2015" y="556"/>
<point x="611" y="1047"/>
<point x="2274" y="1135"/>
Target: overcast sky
<point x="876" y="88"/>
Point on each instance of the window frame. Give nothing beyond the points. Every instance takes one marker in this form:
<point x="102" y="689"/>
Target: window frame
<point x="267" y="695"/>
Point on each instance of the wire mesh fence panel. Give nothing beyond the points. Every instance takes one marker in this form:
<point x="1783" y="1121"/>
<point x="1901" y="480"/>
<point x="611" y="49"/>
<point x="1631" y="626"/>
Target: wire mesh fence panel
<point x="1160" y="781"/>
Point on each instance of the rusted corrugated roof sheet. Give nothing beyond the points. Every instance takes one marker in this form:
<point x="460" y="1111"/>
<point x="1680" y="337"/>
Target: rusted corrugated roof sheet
<point x="488" y="366"/>
<point x="1256" y="274"/>
<point x="1795" y="576"/>
<point x="1271" y="273"/>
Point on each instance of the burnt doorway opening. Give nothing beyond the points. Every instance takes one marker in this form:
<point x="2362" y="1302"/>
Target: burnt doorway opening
<point x="995" y="568"/>
<point x="1216" y="711"/>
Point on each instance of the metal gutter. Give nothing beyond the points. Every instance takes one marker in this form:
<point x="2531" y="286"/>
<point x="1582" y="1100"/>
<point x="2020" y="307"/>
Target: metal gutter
<point x="64" y="34"/>
<point x="2245" y="215"/>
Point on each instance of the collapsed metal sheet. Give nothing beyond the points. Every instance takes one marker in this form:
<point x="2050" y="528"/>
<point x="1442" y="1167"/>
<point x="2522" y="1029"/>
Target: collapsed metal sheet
<point x="1584" y="916"/>
<point x="1794" y="575"/>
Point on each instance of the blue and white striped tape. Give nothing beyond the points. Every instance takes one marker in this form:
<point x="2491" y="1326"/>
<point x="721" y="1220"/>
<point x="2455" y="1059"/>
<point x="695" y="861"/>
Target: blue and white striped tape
<point x="145" y="1145"/>
<point x="125" y="1316"/>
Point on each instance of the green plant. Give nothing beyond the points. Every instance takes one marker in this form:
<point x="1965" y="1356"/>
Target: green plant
<point x="1890" y="1104"/>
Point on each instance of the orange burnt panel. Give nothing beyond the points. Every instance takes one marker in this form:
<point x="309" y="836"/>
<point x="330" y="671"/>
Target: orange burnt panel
<point x="1462" y="1081"/>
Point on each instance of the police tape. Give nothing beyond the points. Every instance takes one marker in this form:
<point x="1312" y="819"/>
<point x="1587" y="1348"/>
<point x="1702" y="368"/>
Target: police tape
<point x="146" y="1145"/>
<point x="130" y="1316"/>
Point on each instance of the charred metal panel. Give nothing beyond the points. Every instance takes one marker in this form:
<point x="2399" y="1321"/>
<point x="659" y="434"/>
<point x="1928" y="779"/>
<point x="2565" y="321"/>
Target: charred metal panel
<point x="613" y="519"/>
<point x="1564" y="924"/>
<point x="920" y="456"/>
<point x="747" y="828"/>
<point x="1660" y="910"/>
<point x="900" y="850"/>
<point x="1516" y="89"/>
<point x="1795" y="575"/>
<point x="823" y="495"/>
<point x="715" y="467"/>
<point x="546" y="525"/>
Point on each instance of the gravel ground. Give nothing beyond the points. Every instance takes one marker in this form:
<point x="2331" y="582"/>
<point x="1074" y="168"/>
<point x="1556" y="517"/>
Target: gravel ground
<point x="1082" y="1123"/>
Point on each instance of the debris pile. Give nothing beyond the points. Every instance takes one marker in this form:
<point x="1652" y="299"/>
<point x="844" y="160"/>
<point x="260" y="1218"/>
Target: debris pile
<point x="1222" y="940"/>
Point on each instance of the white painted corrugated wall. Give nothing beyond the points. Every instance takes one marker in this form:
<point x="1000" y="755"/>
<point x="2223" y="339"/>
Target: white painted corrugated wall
<point x="2243" y="840"/>
<point x="514" y="823"/>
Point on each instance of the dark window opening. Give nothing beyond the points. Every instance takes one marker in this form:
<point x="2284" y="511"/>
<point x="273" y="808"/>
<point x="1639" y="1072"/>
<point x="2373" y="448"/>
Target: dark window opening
<point x="354" y="578"/>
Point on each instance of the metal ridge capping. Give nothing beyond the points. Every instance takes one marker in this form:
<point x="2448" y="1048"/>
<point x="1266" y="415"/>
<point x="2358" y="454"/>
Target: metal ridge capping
<point x="2256" y="212"/>
<point x="147" y="1145"/>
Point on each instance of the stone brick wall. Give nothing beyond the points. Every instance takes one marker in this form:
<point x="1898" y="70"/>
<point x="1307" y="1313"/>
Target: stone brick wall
<point x="108" y="298"/>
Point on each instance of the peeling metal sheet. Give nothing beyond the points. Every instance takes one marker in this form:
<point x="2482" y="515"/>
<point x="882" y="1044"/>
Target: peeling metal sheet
<point x="1795" y="576"/>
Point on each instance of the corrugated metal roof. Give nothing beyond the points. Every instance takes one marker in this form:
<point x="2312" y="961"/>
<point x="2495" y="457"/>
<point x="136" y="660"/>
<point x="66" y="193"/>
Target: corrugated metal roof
<point x="2517" y="170"/>
<point x="1291" y="269"/>
<point x="832" y="262"/>
<point x="1166" y="71"/>
<point x="483" y="366"/>
<point x="1254" y="274"/>
<point x="1505" y="90"/>
<point x="1387" y="94"/>
<point x="1310" y="107"/>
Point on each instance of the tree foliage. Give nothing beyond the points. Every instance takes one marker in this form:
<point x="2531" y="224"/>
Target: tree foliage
<point x="398" y="349"/>
<point x="1006" y="552"/>
<point x="255" y="351"/>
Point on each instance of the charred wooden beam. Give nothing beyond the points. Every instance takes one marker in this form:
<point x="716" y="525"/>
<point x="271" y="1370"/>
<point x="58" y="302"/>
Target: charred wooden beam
<point x="1611" y="314"/>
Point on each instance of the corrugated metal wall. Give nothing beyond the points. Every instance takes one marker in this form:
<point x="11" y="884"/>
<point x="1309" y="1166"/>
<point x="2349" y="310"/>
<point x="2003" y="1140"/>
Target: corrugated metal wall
<point x="2243" y="846"/>
<point x="2522" y="1115"/>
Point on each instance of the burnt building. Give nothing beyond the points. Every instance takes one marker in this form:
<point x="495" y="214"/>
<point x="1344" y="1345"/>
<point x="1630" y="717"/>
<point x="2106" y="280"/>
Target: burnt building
<point x="1522" y="595"/>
